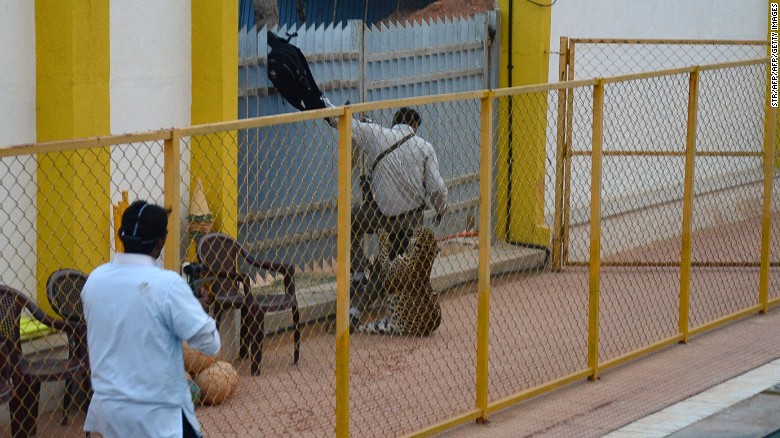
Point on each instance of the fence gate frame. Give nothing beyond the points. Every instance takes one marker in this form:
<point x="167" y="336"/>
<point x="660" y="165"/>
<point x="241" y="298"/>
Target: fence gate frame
<point x="559" y="253"/>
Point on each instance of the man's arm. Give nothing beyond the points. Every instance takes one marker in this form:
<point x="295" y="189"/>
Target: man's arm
<point x="439" y="201"/>
<point x="435" y="186"/>
<point x="357" y="134"/>
<point x="207" y="339"/>
<point x="188" y="319"/>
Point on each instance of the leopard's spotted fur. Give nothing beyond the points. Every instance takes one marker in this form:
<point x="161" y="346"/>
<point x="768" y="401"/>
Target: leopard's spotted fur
<point x="412" y="305"/>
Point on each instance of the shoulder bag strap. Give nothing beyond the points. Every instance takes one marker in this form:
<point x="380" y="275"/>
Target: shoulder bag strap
<point x="388" y="150"/>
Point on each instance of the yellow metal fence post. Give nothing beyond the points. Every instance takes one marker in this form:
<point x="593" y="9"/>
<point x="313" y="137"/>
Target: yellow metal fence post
<point x="685" y="251"/>
<point x="766" y="222"/>
<point x="172" y="199"/>
<point x="567" y="163"/>
<point x="595" y="229"/>
<point x="344" y="216"/>
<point x="483" y="310"/>
<point x="560" y="156"/>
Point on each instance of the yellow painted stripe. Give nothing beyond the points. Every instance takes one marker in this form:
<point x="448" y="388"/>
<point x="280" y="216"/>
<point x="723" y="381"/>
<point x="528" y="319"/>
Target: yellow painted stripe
<point x="215" y="99"/>
<point x="72" y="101"/>
<point x="521" y="163"/>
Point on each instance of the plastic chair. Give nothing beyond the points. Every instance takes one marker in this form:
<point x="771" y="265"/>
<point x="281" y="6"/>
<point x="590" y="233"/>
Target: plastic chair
<point x="63" y="289"/>
<point x="6" y="385"/>
<point x="27" y="374"/>
<point x="219" y="254"/>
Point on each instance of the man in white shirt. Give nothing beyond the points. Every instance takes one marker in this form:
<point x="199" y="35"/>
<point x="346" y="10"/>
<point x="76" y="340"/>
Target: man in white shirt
<point x="137" y="316"/>
<point x="403" y="181"/>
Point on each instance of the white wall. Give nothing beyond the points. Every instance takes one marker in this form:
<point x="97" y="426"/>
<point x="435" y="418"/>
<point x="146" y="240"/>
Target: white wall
<point x="662" y="19"/>
<point x="150" y="65"/>
<point x="17" y="125"/>
<point x="17" y="72"/>
<point x="689" y="19"/>
<point x="650" y="115"/>
<point x="151" y="86"/>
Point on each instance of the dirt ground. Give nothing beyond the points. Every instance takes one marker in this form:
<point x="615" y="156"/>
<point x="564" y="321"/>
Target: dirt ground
<point x="442" y="9"/>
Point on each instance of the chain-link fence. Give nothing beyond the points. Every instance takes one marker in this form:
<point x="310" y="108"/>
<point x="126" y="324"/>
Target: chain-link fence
<point x="587" y="222"/>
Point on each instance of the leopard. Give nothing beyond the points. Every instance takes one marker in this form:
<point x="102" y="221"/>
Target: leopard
<point x="412" y="306"/>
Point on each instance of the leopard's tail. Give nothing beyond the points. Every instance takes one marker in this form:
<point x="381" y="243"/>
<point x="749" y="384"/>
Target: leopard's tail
<point x="380" y="327"/>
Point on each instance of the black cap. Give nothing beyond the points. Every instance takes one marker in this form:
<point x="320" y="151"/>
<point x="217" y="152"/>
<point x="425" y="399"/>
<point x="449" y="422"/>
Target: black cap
<point x="143" y="224"/>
